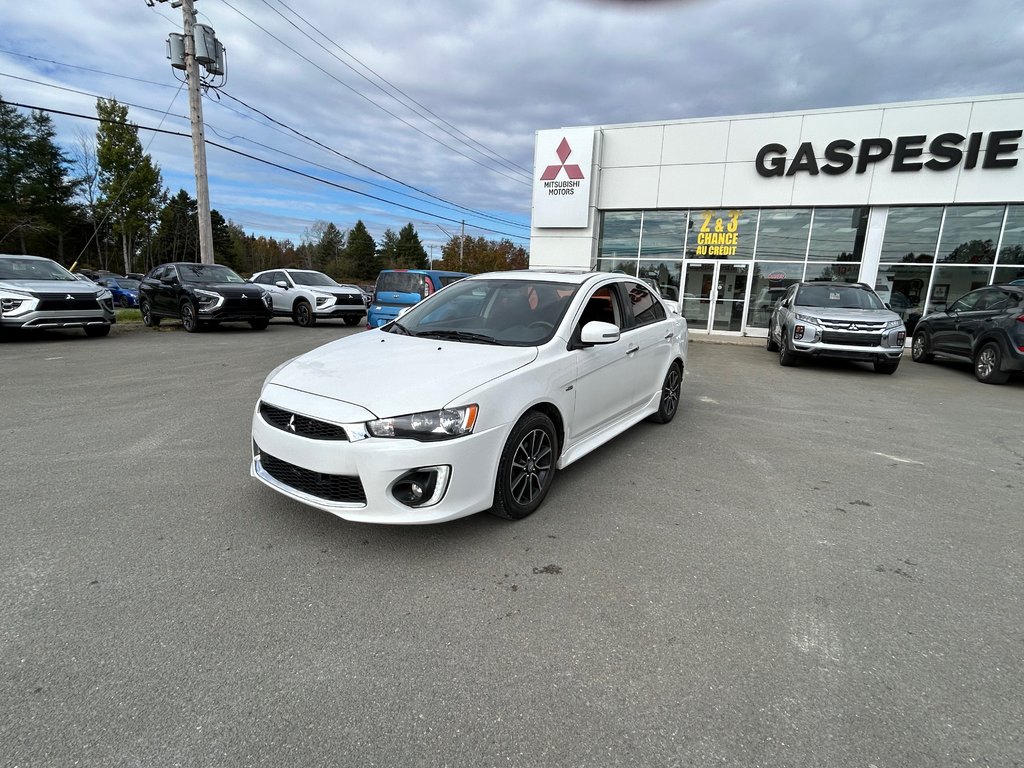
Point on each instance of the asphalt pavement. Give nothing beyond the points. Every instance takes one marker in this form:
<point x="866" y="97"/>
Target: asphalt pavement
<point x="810" y="566"/>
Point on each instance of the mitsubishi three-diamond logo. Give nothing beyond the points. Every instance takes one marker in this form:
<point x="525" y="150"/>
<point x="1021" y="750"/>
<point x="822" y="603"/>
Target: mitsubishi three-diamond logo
<point x="573" y="171"/>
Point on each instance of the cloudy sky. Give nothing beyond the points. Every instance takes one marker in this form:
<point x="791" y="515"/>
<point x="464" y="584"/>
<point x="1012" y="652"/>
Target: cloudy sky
<point x="433" y="105"/>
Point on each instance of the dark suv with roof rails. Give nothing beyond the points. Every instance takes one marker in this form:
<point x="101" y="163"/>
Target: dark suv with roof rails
<point x="202" y="294"/>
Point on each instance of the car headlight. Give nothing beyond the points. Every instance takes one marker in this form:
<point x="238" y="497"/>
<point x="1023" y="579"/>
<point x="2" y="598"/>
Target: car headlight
<point x="208" y="300"/>
<point x="427" y="425"/>
<point x="105" y="296"/>
<point x="806" y="318"/>
<point x="893" y="324"/>
<point x="265" y="295"/>
<point x="16" y="302"/>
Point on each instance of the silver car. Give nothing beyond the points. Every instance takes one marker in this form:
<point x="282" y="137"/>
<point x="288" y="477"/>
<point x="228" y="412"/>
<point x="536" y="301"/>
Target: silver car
<point x="306" y="296"/>
<point x="37" y="292"/>
<point x="840" y="320"/>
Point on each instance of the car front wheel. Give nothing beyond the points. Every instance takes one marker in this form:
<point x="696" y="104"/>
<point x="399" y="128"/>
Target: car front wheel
<point x="670" y="390"/>
<point x="920" y="351"/>
<point x="147" y="315"/>
<point x="189" y="320"/>
<point x="770" y="344"/>
<point x="988" y="365"/>
<point x="786" y="356"/>
<point x="887" y="366"/>
<point x="527" y="467"/>
<point x="302" y="314"/>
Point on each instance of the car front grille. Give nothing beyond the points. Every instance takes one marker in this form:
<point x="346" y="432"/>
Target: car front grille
<point x="851" y="339"/>
<point x="238" y="304"/>
<point x="349" y="298"/>
<point x="59" y="302"/>
<point x="338" y="488"/>
<point x="301" y="425"/>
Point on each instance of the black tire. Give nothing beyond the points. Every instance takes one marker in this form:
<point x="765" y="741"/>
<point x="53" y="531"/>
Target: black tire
<point x="786" y="356"/>
<point x="147" y="315"/>
<point x="302" y="314"/>
<point x="189" y="318"/>
<point x="123" y="302"/>
<point x="670" y="389"/>
<point x="887" y="366"/>
<point x="260" y="324"/>
<point x="352" y="320"/>
<point x="527" y="467"/>
<point x="770" y="344"/>
<point x="96" y="331"/>
<point x="988" y="364"/>
<point x="920" y="348"/>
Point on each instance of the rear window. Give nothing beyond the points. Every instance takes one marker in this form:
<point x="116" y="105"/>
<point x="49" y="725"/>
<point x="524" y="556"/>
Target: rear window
<point x="402" y="282"/>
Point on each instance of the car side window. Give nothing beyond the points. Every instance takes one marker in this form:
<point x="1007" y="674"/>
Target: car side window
<point x="966" y="303"/>
<point x="602" y="306"/>
<point x="264" y="279"/>
<point x="993" y="300"/>
<point x="641" y="303"/>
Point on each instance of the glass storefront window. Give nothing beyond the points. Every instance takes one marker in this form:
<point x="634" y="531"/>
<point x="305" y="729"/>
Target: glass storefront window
<point x="911" y="235"/>
<point x="664" y="235"/>
<point x="1011" y="251"/>
<point x="626" y="266"/>
<point x="837" y="234"/>
<point x="902" y="287"/>
<point x="667" y="274"/>
<point x="770" y="280"/>
<point x="1009" y="274"/>
<point x="839" y="273"/>
<point x="782" y="234"/>
<point x="970" y="234"/>
<point x="952" y="282"/>
<point x="620" y="235"/>
<point x="724" y="234"/>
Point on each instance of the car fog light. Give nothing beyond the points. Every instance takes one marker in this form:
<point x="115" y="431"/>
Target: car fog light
<point x="421" y="487"/>
<point x="798" y="332"/>
<point x="901" y="339"/>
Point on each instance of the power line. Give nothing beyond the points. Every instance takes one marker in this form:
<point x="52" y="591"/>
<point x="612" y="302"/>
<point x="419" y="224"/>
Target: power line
<point x="374" y="103"/>
<point x="294" y="171"/>
<point x="409" y="100"/>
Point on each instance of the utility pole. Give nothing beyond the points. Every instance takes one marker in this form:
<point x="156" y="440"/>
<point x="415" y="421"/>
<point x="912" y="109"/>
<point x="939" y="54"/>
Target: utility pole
<point x="208" y="52"/>
<point x="195" y="108"/>
<point x="462" y="242"/>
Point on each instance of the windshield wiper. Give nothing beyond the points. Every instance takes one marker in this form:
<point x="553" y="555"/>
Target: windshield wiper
<point x="478" y="338"/>
<point x="397" y="327"/>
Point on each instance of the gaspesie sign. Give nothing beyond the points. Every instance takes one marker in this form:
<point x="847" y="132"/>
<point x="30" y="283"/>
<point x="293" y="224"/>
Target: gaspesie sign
<point x="997" y="149"/>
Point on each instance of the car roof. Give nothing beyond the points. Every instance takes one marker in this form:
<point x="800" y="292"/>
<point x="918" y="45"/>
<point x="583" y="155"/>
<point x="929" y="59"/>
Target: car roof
<point x="23" y="256"/>
<point x="567" y="276"/>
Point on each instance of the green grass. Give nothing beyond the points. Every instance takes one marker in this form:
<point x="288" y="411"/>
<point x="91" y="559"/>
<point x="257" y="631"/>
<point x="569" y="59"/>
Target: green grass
<point x="128" y="316"/>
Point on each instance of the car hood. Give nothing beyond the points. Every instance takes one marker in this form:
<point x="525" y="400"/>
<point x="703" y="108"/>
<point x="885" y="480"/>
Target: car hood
<point x="230" y="289"/>
<point x="74" y="287"/>
<point x="849" y="315"/>
<point x="391" y="375"/>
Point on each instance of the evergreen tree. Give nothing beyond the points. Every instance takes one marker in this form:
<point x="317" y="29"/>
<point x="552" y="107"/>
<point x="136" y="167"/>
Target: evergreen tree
<point x="223" y="242"/>
<point x="129" y="181"/>
<point x="329" y="250"/>
<point x="177" y="234"/>
<point x="411" y="253"/>
<point x="387" y="251"/>
<point x="14" y="140"/>
<point x="361" y="253"/>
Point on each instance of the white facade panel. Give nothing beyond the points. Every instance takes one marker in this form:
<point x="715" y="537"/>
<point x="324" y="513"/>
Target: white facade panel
<point x="921" y="187"/>
<point x="696" y="143"/>
<point x="928" y="119"/>
<point x="743" y="188"/>
<point x="630" y="147"/>
<point x="562" y="248"/>
<point x="628" y="188"/>
<point x="822" y="127"/>
<point x="747" y="136"/>
<point x="684" y="186"/>
<point x="848" y="189"/>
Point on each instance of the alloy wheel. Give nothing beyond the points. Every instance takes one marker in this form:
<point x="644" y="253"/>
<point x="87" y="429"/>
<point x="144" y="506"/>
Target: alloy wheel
<point x="532" y="464"/>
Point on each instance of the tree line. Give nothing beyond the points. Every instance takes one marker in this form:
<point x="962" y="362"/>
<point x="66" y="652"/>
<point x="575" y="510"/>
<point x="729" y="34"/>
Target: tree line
<point x="103" y="205"/>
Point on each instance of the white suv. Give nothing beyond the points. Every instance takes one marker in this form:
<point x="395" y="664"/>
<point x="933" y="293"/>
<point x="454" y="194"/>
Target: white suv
<point x="306" y="296"/>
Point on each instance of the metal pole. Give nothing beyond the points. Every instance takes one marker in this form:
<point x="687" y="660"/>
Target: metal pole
<point x="462" y="242"/>
<point x="195" y="104"/>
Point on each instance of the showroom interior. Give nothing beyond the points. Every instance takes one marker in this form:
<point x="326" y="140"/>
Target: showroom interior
<point x="924" y="201"/>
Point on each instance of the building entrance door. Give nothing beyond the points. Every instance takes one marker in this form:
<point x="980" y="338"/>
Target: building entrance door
<point x="714" y="295"/>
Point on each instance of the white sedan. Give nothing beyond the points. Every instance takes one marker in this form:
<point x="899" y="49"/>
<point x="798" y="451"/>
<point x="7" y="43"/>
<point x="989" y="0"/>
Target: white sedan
<point x="472" y="399"/>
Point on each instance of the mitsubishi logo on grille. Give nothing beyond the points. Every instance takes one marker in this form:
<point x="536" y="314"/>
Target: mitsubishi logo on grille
<point x="854" y="327"/>
<point x="291" y="423"/>
<point x="573" y="171"/>
<point x="69" y="297"/>
<point x="244" y="296"/>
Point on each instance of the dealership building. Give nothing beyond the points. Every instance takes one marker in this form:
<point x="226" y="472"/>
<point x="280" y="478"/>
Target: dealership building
<point x="924" y="201"/>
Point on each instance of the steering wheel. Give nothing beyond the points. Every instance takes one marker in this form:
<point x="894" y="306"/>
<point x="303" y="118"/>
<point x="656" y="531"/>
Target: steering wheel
<point x="544" y="325"/>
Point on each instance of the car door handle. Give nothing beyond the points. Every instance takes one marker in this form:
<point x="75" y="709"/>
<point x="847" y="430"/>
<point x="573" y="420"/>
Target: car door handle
<point x="669" y="335"/>
<point x="632" y="350"/>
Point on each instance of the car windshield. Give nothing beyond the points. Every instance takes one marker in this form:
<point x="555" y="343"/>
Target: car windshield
<point x="837" y="297"/>
<point x="490" y="311"/>
<point x="208" y="273"/>
<point x="13" y="268"/>
<point x="312" y="278"/>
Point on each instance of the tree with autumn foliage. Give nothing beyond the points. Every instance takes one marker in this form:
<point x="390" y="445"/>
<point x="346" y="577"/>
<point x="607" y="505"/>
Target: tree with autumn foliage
<point x="479" y="254"/>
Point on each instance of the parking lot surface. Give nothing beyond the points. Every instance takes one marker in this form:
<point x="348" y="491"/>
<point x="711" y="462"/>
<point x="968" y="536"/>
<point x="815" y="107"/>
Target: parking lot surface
<point x="816" y="566"/>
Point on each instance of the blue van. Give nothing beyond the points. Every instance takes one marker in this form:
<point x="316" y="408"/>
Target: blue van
<point x="397" y="289"/>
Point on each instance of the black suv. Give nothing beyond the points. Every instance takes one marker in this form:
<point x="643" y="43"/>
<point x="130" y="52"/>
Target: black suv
<point x="201" y="294"/>
<point x="985" y="326"/>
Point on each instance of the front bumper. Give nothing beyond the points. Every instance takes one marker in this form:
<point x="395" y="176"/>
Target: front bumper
<point x="878" y="346"/>
<point x="372" y="466"/>
<point x="81" y="318"/>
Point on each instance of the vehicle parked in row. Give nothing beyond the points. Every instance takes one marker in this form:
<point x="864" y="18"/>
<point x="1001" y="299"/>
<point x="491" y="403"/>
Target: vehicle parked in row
<point x="836" y="320"/>
<point x="985" y="326"/>
<point x="201" y="295"/>
<point x="36" y="292"/>
<point x="398" y="289"/>
<point x="124" y="290"/>
<point x="306" y="296"/>
<point x="472" y="400"/>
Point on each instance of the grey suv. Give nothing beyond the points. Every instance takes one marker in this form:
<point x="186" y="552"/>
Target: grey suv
<point x="840" y="320"/>
<point x="36" y="292"/>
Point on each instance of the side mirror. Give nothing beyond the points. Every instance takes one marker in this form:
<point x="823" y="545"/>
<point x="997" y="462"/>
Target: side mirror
<point x="596" y="332"/>
<point x="171" y="280"/>
<point x="281" y="284"/>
